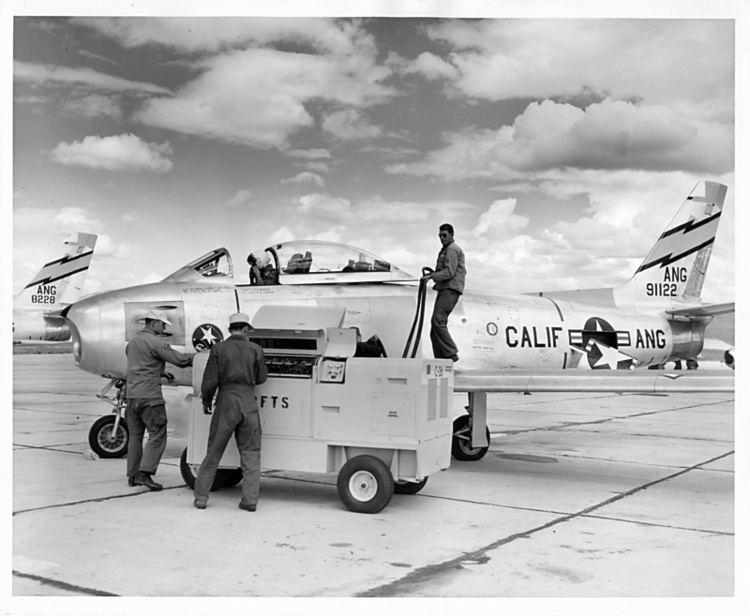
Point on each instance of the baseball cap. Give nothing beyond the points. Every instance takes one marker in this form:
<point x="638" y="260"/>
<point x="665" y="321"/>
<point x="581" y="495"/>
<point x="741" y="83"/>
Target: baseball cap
<point x="239" y="317"/>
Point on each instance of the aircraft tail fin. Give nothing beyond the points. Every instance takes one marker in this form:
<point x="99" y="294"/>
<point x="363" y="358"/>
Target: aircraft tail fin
<point x="60" y="281"/>
<point x="675" y="268"/>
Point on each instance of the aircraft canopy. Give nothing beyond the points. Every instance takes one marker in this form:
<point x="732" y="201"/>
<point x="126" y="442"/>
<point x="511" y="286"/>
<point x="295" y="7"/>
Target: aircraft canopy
<point x="319" y="262"/>
<point x="298" y="262"/>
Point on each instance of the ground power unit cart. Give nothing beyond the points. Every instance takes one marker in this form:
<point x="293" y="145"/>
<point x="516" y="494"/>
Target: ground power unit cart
<point x="382" y="424"/>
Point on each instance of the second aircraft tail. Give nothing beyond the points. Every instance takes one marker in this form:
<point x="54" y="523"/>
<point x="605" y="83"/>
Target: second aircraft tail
<point x="60" y="281"/>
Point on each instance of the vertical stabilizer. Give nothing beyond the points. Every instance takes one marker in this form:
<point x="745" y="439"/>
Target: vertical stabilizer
<point x="675" y="268"/>
<point x="60" y="281"/>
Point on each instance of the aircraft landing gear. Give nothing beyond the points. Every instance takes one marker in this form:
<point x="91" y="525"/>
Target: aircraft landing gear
<point x="469" y="444"/>
<point x="108" y="436"/>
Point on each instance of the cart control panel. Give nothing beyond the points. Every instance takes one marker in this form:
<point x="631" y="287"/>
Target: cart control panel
<point x="290" y="353"/>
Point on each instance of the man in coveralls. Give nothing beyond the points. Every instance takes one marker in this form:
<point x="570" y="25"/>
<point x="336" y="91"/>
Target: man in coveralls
<point x="235" y="366"/>
<point x="147" y="354"/>
<point x="449" y="277"/>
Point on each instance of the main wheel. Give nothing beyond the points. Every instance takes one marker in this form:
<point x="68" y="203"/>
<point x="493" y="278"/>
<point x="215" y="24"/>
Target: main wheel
<point x="365" y="484"/>
<point x="225" y="477"/>
<point x="409" y="487"/>
<point x="107" y="442"/>
<point x="461" y="447"/>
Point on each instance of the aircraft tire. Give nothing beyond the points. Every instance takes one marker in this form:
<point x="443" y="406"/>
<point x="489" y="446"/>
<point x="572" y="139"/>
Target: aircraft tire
<point x="408" y="487"/>
<point x="103" y="442"/>
<point x="461" y="447"/>
<point x="225" y="477"/>
<point x="365" y="484"/>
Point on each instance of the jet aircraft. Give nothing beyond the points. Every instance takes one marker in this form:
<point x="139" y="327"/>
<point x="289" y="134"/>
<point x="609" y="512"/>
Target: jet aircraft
<point x="654" y="318"/>
<point x="37" y="308"/>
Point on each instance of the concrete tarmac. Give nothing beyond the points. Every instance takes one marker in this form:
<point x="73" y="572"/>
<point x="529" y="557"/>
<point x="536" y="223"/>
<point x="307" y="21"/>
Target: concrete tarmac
<point x="580" y="495"/>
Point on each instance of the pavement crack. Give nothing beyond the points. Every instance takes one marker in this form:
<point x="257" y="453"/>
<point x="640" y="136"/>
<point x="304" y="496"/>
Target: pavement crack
<point x="48" y="448"/>
<point x="102" y="499"/>
<point x="403" y="585"/>
<point x="64" y="585"/>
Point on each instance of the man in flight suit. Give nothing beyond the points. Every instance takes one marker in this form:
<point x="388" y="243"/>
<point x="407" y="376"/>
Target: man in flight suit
<point x="235" y="366"/>
<point x="449" y="277"/>
<point x="147" y="354"/>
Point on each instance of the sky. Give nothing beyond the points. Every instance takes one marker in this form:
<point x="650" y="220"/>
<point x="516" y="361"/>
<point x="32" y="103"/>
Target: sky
<point x="558" y="148"/>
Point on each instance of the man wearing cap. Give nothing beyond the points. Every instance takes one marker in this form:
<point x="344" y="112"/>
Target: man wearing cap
<point x="449" y="278"/>
<point x="147" y="354"/>
<point x="235" y="366"/>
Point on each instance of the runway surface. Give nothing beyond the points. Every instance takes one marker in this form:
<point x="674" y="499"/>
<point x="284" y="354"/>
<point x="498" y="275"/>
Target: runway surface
<point x="580" y="495"/>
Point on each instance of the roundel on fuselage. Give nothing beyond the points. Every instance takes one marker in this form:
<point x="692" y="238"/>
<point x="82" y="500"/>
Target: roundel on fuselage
<point x="596" y="337"/>
<point x="205" y="336"/>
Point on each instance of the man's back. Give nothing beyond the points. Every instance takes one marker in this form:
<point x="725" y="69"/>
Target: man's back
<point x="233" y="362"/>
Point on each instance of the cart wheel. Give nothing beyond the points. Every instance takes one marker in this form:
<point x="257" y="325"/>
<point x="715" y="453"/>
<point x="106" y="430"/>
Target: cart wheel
<point x="105" y="441"/>
<point x="225" y="477"/>
<point x="365" y="484"/>
<point x="409" y="487"/>
<point x="461" y="447"/>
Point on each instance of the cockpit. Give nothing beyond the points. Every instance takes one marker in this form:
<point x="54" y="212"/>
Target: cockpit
<point x="295" y="263"/>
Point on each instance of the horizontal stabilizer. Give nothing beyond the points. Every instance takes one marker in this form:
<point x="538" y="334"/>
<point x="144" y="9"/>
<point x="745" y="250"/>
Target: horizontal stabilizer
<point x="702" y="310"/>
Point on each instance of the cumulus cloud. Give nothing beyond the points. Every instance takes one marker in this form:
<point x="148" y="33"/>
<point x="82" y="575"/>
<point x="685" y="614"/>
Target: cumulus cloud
<point x="116" y="153"/>
<point x="324" y="206"/>
<point x="319" y="167"/>
<point x="431" y="67"/>
<point x="280" y="235"/>
<point x="75" y="218"/>
<point x="624" y="214"/>
<point x="107" y="247"/>
<point x="310" y="154"/>
<point x="606" y="135"/>
<point x="304" y="177"/>
<point x="349" y="124"/>
<point x="257" y="97"/>
<point x="500" y="220"/>
<point x="538" y="58"/>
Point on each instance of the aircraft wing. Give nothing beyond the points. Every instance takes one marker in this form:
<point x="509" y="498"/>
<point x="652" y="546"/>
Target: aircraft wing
<point x="703" y="310"/>
<point x="616" y="381"/>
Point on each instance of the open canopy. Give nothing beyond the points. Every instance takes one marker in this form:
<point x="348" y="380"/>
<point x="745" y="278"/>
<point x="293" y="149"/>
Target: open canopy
<point x="297" y="262"/>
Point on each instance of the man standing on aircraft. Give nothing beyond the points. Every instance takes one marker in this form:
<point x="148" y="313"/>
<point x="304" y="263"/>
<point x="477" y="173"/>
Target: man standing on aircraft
<point x="235" y="366"/>
<point x="449" y="277"/>
<point x="147" y="355"/>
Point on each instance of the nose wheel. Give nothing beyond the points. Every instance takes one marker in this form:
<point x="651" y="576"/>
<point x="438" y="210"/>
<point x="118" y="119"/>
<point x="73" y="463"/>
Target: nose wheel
<point x="108" y="437"/>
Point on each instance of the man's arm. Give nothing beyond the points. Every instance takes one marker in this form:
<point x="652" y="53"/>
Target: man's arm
<point x="450" y="265"/>
<point x="262" y="372"/>
<point x="210" y="379"/>
<point x="167" y="353"/>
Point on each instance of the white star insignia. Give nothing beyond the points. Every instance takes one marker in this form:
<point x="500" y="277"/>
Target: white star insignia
<point x="208" y="335"/>
<point x="610" y="357"/>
